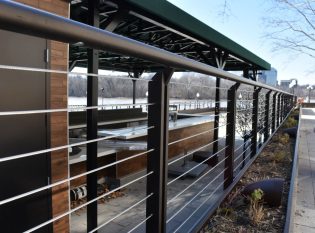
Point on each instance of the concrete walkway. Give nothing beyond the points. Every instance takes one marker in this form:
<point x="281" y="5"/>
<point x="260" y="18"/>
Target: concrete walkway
<point x="304" y="219"/>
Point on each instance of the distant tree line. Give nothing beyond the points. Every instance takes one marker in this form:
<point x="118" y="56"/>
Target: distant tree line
<point x="300" y="91"/>
<point x="184" y="86"/>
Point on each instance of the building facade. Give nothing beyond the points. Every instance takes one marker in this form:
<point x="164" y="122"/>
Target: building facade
<point x="268" y="77"/>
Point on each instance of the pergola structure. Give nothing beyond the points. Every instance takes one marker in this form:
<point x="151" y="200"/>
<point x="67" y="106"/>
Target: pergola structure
<point x="165" y="26"/>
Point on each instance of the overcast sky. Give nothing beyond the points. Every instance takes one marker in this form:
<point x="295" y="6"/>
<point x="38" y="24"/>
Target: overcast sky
<point x="245" y="25"/>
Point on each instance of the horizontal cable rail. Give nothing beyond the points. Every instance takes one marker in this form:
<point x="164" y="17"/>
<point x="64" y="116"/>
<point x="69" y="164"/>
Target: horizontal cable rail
<point x="212" y="193"/>
<point x="190" y="153"/>
<point x="195" y="135"/>
<point x="24" y="155"/>
<point x="2" y="202"/>
<point x="33" y="69"/>
<point x="85" y="204"/>
<point x="139" y="224"/>
<point x="196" y="181"/>
<point x="249" y="147"/>
<point x="69" y="109"/>
<point x="121" y="213"/>
<point x="247" y="156"/>
<point x="198" y="165"/>
<point x="195" y="196"/>
<point x="243" y="144"/>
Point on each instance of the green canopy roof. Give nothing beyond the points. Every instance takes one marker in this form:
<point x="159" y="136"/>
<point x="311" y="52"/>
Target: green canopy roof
<point x="161" y="24"/>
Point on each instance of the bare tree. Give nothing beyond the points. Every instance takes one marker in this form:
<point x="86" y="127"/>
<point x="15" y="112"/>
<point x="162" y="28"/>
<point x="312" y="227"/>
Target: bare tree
<point x="293" y="26"/>
<point x="290" y="24"/>
<point x="244" y="106"/>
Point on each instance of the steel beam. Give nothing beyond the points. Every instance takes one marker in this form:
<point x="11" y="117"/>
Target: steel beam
<point x="267" y="112"/>
<point x="92" y="100"/>
<point x="255" y="122"/>
<point x="158" y="159"/>
<point x="112" y="23"/>
<point x="220" y="61"/>
<point x="230" y="136"/>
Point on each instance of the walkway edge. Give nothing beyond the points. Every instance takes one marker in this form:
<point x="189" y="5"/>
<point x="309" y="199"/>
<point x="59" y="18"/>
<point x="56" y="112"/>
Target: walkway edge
<point x="289" y="223"/>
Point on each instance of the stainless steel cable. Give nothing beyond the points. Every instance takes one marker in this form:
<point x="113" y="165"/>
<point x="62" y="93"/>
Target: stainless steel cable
<point x="24" y="155"/>
<point x="69" y="109"/>
<point x="214" y="191"/>
<point x="197" y="180"/>
<point x="187" y="203"/>
<point x="139" y="224"/>
<point x="2" y="202"/>
<point x="121" y="213"/>
<point x="199" y="164"/>
<point x="190" y="153"/>
<point x="195" y="135"/>
<point x="248" y="147"/>
<point x="85" y="204"/>
<point x="33" y="69"/>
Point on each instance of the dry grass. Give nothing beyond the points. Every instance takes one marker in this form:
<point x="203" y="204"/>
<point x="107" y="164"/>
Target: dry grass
<point x="284" y="139"/>
<point x="256" y="210"/>
<point x="291" y="122"/>
<point x="279" y="156"/>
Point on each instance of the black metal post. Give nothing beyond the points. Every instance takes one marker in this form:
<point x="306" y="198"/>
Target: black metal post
<point x="282" y="107"/>
<point x="158" y="159"/>
<point x="134" y="87"/>
<point x="255" y="121"/>
<point x="286" y="106"/>
<point x="274" y="105"/>
<point x="134" y="82"/>
<point x="279" y="110"/>
<point x="230" y="135"/>
<point x="92" y="100"/>
<point x="216" y="117"/>
<point x="267" y="112"/>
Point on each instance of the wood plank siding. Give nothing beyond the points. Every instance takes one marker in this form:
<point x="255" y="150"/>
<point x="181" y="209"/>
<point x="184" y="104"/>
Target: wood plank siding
<point x="58" y="60"/>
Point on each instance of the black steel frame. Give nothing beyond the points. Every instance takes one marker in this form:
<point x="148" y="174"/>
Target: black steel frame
<point x="158" y="141"/>
<point x="230" y="138"/>
<point x="91" y="120"/>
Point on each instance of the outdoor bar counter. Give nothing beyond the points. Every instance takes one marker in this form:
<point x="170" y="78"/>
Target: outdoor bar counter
<point x="132" y="140"/>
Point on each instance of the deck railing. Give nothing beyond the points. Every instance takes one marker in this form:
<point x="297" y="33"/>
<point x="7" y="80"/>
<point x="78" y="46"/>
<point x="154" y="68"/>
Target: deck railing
<point x="258" y="108"/>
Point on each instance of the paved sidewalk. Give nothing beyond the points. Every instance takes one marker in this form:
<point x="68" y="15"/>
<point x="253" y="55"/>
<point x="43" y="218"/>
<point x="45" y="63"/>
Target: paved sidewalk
<point x="304" y="219"/>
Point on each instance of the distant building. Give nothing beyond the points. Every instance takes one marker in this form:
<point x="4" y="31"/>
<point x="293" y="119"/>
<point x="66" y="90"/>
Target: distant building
<point x="268" y="77"/>
<point x="285" y="83"/>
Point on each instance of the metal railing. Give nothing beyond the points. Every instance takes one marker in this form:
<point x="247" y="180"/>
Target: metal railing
<point x="165" y="206"/>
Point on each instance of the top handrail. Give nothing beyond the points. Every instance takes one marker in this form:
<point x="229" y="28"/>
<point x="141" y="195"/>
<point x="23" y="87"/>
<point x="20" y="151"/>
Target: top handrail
<point x="20" y="18"/>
